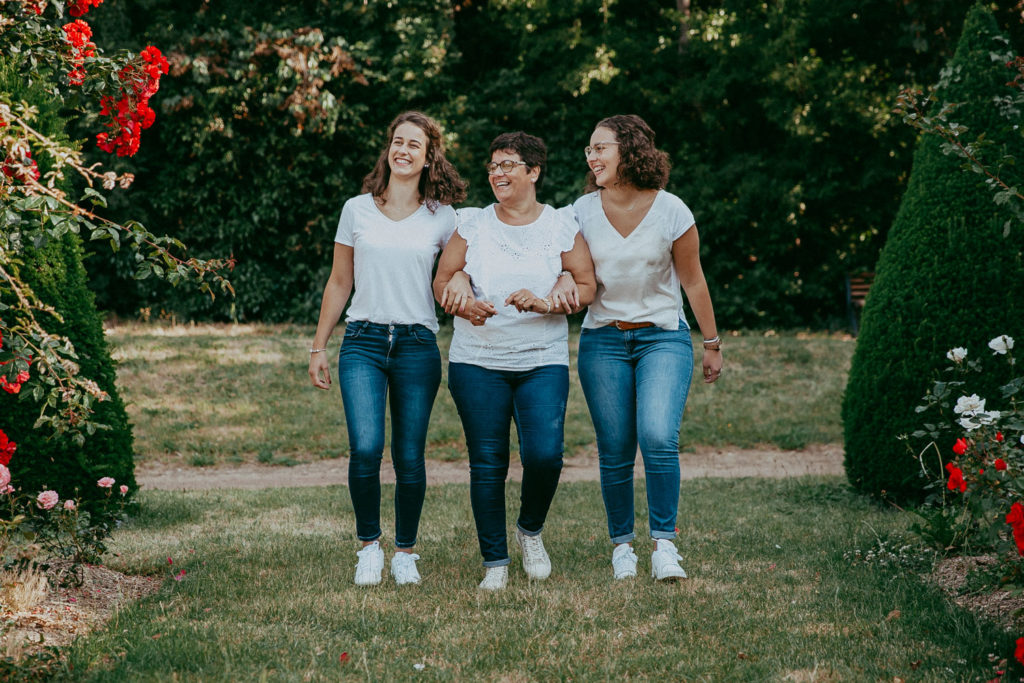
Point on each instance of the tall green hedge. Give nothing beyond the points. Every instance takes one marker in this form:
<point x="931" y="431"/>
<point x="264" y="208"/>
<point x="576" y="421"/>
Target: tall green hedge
<point x="946" y="277"/>
<point x="56" y="274"/>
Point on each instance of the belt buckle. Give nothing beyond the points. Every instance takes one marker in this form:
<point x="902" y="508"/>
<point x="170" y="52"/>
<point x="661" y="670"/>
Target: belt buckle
<point x="619" y="326"/>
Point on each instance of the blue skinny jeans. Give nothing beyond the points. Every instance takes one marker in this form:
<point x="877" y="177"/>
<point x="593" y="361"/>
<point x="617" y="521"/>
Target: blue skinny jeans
<point x="488" y="401"/>
<point x="376" y="360"/>
<point x="636" y="383"/>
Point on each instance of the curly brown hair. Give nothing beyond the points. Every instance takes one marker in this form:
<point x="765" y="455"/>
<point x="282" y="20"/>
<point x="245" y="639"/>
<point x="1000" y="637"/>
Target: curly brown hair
<point x="439" y="182"/>
<point x="641" y="164"/>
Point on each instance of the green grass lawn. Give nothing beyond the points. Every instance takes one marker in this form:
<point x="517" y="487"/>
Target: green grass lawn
<point x="210" y="395"/>
<point x="773" y="595"/>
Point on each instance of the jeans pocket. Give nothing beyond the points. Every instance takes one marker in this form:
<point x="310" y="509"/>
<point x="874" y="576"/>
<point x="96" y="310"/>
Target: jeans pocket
<point x="355" y="328"/>
<point x="423" y="335"/>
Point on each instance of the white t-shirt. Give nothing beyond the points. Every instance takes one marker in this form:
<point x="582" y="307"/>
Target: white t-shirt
<point x="393" y="261"/>
<point x="636" y="277"/>
<point x="501" y="259"/>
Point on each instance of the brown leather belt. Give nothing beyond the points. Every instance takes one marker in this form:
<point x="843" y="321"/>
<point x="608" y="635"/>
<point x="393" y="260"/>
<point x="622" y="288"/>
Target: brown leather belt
<point x="623" y="325"/>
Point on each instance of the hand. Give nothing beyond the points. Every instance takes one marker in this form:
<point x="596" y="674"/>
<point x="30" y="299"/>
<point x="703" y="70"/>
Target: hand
<point x="319" y="370"/>
<point x="565" y="295"/>
<point x="479" y="311"/>
<point x="712" y="363"/>
<point x="524" y="300"/>
<point x="457" y="295"/>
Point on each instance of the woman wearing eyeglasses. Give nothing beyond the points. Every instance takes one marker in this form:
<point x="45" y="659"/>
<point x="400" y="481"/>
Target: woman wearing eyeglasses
<point x="386" y="244"/>
<point x="509" y="357"/>
<point x="635" y="356"/>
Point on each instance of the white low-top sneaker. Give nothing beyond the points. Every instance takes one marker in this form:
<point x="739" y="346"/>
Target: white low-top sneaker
<point x="665" y="561"/>
<point x="370" y="565"/>
<point x="624" y="561"/>
<point x="536" y="562"/>
<point x="495" y="579"/>
<point x="403" y="568"/>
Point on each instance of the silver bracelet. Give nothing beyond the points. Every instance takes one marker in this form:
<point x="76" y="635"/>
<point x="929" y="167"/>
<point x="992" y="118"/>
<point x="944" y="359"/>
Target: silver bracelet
<point x="713" y="340"/>
<point x="317" y="350"/>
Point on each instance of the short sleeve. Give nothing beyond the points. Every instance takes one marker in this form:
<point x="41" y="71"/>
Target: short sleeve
<point x="346" y="225"/>
<point x="449" y="216"/>
<point x="681" y="218"/>
<point x="566" y="227"/>
<point x="466" y="222"/>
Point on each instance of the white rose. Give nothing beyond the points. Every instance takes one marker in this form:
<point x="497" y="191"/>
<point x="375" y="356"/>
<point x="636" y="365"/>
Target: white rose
<point x="956" y="355"/>
<point x="968" y="423"/>
<point x="1001" y="344"/>
<point x="969" y="405"/>
<point x="988" y="418"/>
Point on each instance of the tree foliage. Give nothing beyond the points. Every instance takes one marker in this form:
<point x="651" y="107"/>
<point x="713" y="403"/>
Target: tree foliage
<point x="949" y="276"/>
<point x="778" y="118"/>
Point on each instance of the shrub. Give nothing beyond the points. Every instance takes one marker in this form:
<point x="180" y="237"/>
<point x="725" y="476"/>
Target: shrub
<point x="55" y="273"/>
<point x="946" y="273"/>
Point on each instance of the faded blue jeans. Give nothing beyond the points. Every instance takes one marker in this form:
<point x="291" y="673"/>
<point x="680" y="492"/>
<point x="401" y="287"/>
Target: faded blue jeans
<point x="377" y="360"/>
<point x="636" y="383"/>
<point x="488" y="400"/>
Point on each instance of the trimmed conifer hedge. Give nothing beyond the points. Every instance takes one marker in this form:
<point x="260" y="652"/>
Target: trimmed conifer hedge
<point x="56" y="274"/>
<point x="946" y="277"/>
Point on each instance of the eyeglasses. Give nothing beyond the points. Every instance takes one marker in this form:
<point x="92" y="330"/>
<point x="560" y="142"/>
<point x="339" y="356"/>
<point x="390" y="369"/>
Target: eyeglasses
<point x="597" y="149"/>
<point x="506" y="166"/>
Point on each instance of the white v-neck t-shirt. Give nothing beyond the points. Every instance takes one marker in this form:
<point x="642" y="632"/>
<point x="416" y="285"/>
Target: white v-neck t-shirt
<point x="636" y="277"/>
<point x="501" y="259"/>
<point x="393" y="261"/>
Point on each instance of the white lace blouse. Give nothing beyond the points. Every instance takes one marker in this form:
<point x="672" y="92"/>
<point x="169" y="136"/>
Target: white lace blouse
<point x="501" y="259"/>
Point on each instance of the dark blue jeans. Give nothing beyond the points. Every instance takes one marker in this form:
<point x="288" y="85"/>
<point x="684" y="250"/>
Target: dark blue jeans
<point x="636" y="383"/>
<point x="377" y="359"/>
<point x="488" y="400"/>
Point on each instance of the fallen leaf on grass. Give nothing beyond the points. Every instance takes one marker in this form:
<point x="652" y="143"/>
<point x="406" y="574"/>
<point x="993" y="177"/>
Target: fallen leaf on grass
<point x="895" y="614"/>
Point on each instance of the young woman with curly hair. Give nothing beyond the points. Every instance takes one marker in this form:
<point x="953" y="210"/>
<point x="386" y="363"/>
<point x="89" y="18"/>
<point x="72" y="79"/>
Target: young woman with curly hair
<point x="387" y="241"/>
<point x="635" y="357"/>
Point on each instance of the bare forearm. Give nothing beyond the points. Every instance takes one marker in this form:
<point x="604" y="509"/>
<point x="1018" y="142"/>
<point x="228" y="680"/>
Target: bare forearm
<point x="336" y="295"/>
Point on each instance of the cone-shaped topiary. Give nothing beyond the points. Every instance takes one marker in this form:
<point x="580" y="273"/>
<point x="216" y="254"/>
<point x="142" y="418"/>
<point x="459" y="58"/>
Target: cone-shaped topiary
<point x="56" y="274"/>
<point x="946" y="277"/>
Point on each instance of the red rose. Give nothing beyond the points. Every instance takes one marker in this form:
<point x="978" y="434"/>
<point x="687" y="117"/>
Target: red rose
<point x="999" y="437"/>
<point x="960" y="447"/>
<point x="956" y="478"/>
<point x="999" y="464"/>
<point x="1018" y="654"/>
<point x="1016" y="515"/>
<point x="7" y="448"/>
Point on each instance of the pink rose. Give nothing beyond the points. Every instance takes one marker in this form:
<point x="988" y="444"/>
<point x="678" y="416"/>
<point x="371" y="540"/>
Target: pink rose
<point x="7" y="490"/>
<point x="105" y="482"/>
<point x="124" y="490"/>
<point x="69" y="504"/>
<point x="5" y="476"/>
<point x="47" y="499"/>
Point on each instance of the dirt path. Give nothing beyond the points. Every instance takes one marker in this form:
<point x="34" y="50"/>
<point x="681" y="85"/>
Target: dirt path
<point x="706" y="462"/>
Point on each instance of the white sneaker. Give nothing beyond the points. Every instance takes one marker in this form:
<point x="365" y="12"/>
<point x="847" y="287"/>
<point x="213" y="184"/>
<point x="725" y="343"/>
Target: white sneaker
<point x="403" y="568"/>
<point x="370" y="565"/>
<point x="495" y="579"/>
<point x="535" y="559"/>
<point x="624" y="561"/>
<point x="665" y="561"/>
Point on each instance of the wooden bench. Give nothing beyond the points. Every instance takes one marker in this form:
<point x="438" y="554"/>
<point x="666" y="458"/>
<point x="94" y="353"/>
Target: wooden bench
<point x="857" y="286"/>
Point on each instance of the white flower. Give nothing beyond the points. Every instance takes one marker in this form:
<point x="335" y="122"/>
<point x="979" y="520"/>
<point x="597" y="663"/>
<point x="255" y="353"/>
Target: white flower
<point x="1001" y="344"/>
<point x="988" y="418"/>
<point x="956" y="355"/>
<point x="969" y="405"/>
<point x="968" y="423"/>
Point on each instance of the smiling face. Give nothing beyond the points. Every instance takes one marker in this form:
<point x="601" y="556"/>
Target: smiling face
<point x="604" y="159"/>
<point x="515" y="185"/>
<point x="408" y="151"/>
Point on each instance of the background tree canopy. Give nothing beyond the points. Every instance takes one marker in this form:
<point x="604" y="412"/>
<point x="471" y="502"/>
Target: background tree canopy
<point x="777" y="116"/>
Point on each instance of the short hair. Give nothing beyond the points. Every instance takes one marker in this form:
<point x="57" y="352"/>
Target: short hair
<point x="641" y="164"/>
<point x="530" y="149"/>
<point x="439" y="182"/>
